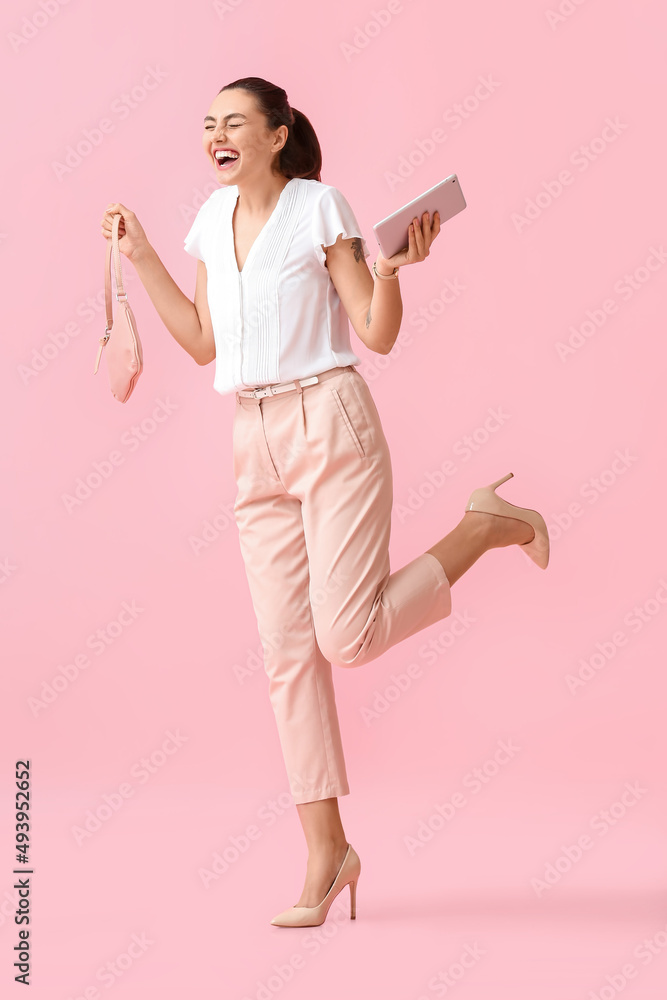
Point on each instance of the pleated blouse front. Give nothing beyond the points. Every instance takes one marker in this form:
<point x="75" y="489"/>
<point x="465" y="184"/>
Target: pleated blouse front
<point x="280" y="317"/>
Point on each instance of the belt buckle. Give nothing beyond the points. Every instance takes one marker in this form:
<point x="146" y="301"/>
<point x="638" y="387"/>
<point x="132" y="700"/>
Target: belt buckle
<point x="261" y="392"/>
<point x="272" y="390"/>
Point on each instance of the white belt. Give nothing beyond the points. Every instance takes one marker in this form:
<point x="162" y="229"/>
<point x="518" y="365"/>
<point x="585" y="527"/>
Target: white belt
<point x="272" y="390"/>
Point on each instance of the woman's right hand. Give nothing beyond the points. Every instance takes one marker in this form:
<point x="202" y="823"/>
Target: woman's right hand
<point x="132" y="239"/>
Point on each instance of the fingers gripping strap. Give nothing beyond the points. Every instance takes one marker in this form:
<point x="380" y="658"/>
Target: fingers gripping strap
<point x="120" y="291"/>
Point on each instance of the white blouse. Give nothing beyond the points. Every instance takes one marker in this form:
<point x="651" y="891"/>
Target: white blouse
<point x="280" y="317"/>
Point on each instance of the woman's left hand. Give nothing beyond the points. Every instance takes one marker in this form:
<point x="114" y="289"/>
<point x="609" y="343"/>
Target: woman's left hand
<point x="420" y="237"/>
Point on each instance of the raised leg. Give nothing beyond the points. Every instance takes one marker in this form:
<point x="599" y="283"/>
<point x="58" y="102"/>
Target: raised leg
<point x="475" y="533"/>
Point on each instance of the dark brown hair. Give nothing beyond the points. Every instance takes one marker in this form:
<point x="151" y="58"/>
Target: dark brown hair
<point x="301" y="155"/>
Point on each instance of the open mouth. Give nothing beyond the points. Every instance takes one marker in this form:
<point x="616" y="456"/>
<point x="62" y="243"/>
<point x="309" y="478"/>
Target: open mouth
<point x="225" y="158"/>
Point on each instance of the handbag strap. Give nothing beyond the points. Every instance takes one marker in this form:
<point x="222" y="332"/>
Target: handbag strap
<point x="120" y="291"/>
<point x="121" y="295"/>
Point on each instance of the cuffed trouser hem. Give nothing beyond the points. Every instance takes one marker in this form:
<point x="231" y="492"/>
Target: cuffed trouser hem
<point x="317" y="794"/>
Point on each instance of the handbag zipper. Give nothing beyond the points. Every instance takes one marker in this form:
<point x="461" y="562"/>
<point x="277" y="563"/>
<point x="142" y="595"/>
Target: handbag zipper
<point x="103" y="341"/>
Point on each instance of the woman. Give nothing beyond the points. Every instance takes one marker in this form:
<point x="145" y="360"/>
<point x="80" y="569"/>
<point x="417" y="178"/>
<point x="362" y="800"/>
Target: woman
<point x="281" y="267"/>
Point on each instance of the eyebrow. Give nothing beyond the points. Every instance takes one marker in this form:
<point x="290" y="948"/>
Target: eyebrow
<point x="234" y="114"/>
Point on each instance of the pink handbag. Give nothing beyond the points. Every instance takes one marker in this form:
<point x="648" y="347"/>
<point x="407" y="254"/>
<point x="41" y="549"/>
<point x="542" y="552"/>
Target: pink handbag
<point x="124" y="355"/>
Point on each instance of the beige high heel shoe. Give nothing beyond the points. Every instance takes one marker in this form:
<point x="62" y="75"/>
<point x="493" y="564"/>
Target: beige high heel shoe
<point x="485" y="499"/>
<point x="312" y="916"/>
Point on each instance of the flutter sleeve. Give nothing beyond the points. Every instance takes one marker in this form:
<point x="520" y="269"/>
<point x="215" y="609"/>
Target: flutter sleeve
<point x="196" y="240"/>
<point x="333" y="216"/>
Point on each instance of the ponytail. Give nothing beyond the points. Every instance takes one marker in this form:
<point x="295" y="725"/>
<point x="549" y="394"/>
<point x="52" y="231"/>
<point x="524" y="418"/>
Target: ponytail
<point x="301" y="155"/>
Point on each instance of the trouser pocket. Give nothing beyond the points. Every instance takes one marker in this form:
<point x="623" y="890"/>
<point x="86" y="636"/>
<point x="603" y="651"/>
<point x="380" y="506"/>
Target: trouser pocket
<point x="348" y="423"/>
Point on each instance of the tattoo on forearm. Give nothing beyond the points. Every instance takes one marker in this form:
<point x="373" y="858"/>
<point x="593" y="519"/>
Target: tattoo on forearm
<point x="368" y="318"/>
<point x="357" y="249"/>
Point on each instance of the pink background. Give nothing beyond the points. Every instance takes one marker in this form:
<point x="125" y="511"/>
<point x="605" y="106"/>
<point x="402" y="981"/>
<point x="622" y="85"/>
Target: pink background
<point x="591" y="257"/>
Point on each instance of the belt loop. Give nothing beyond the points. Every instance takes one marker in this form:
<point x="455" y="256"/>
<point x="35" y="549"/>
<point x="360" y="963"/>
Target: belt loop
<point x="299" y="389"/>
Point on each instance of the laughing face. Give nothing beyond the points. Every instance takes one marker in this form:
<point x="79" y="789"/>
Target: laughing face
<point x="236" y="139"/>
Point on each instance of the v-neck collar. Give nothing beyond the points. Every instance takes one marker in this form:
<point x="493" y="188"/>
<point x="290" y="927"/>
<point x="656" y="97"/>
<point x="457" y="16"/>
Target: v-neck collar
<point x="261" y="234"/>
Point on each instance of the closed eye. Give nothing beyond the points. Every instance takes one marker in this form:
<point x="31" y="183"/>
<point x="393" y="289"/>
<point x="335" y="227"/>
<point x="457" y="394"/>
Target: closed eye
<point x="232" y="125"/>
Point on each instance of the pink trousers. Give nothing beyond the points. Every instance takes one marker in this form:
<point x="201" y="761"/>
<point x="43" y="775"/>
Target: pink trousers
<point x="313" y="510"/>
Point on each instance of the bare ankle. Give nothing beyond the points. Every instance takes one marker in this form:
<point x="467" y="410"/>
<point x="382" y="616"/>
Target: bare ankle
<point x="479" y="523"/>
<point x="326" y="847"/>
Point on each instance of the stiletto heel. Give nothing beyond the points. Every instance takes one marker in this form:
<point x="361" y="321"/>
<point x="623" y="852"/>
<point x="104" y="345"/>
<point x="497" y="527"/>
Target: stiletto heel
<point x="485" y="500"/>
<point x="499" y="482"/>
<point x="313" y="916"/>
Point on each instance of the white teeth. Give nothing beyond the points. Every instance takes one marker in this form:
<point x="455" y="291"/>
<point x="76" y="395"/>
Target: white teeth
<point x="219" y="153"/>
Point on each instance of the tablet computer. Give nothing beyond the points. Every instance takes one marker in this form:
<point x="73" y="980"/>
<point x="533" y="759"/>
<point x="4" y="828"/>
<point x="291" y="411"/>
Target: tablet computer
<point x="445" y="197"/>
